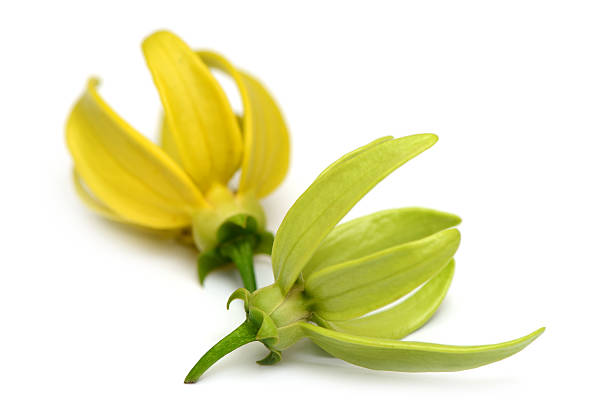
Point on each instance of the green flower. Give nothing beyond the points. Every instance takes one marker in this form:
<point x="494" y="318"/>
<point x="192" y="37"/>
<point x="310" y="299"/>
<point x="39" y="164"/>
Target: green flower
<point x="329" y="279"/>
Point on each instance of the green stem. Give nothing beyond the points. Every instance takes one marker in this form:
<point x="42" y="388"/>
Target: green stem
<point x="245" y="333"/>
<point x="240" y="252"/>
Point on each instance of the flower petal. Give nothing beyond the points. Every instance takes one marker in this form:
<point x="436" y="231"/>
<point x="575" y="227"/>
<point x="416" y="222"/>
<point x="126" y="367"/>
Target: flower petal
<point x="402" y="319"/>
<point x="92" y="202"/>
<point x="200" y="120"/>
<point x="182" y="234"/>
<point x="393" y="355"/>
<point x="351" y="154"/>
<point x="372" y="233"/>
<point x="354" y="288"/>
<point x="126" y="171"/>
<point x="337" y="189"/>
<point x="168" y="142"/>
<point x="266" y="138"/>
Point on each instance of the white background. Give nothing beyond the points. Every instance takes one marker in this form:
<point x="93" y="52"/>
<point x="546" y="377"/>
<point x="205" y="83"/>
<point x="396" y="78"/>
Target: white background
<point x="520" y="93"/>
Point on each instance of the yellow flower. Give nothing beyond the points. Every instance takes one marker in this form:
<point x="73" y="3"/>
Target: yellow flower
<point x="181" y="187"/>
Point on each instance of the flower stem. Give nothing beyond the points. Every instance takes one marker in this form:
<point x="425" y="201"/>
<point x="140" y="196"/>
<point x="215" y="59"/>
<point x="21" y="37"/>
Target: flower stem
<point x="240" y="251"/>
<point x="245" y="333"/>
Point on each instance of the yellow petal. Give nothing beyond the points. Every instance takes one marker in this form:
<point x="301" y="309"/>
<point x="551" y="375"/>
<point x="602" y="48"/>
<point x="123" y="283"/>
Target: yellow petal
<point x="266" y="138"/>
<point x="92" y="202"/>
<point x="182" y="235"/>
<point x="132" y="176"/>
<point x="168" y="142"/>
<point x="201" y="124"/>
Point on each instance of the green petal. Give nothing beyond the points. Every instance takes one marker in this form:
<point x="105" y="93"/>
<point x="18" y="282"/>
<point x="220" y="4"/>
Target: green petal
<point x="354" y="288"/>
<point x="393" y="355"/>
<point x="208" y="261"/>
<point x="399" y="321"/>
<point x="337" y="189"/>
<point x="355" y="152"/>
<point x="385" y="229"/>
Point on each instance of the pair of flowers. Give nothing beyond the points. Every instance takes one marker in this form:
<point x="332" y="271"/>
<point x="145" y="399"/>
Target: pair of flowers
<point x="330" y="281"/>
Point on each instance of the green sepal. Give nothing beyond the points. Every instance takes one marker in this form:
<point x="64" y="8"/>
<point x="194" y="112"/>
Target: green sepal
<point x="209" y="261"/>
<point x="241" y="294"/>
<point x="274" y="357"/>
<point x="245" y="226"/>
<point x="236" y="226"/>
<point x="289" y="335"/>
<point x="268" y="298"/>
<point x="267" y="333"/>
<point x="238" y="238"/>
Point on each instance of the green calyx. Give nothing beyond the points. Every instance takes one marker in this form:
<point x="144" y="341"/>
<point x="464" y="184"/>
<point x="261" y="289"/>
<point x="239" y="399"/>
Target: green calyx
<point x="277" y="315"/>
<point x="224" y="205"/>
<point x="231" y="230"/>
<point x="239" y="238"/>
<point x="272" y="319"/>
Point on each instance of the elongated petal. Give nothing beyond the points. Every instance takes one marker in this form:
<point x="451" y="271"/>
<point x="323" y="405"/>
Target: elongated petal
<point x="168" y="142"/>
<point x="366" y="235"/>
<point x="402" y="319"/>
<point x="331" y="196"/>
<point x="200" y="120"/>
<point x="266" y="138"/>
<point x="132" y="176"/>
<point x="92" y="202"/>
<point x="351" y="154"/>
<point x="393" y="355"/>
<point x="180" y="234"/>
<point x="354" y="288"/>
